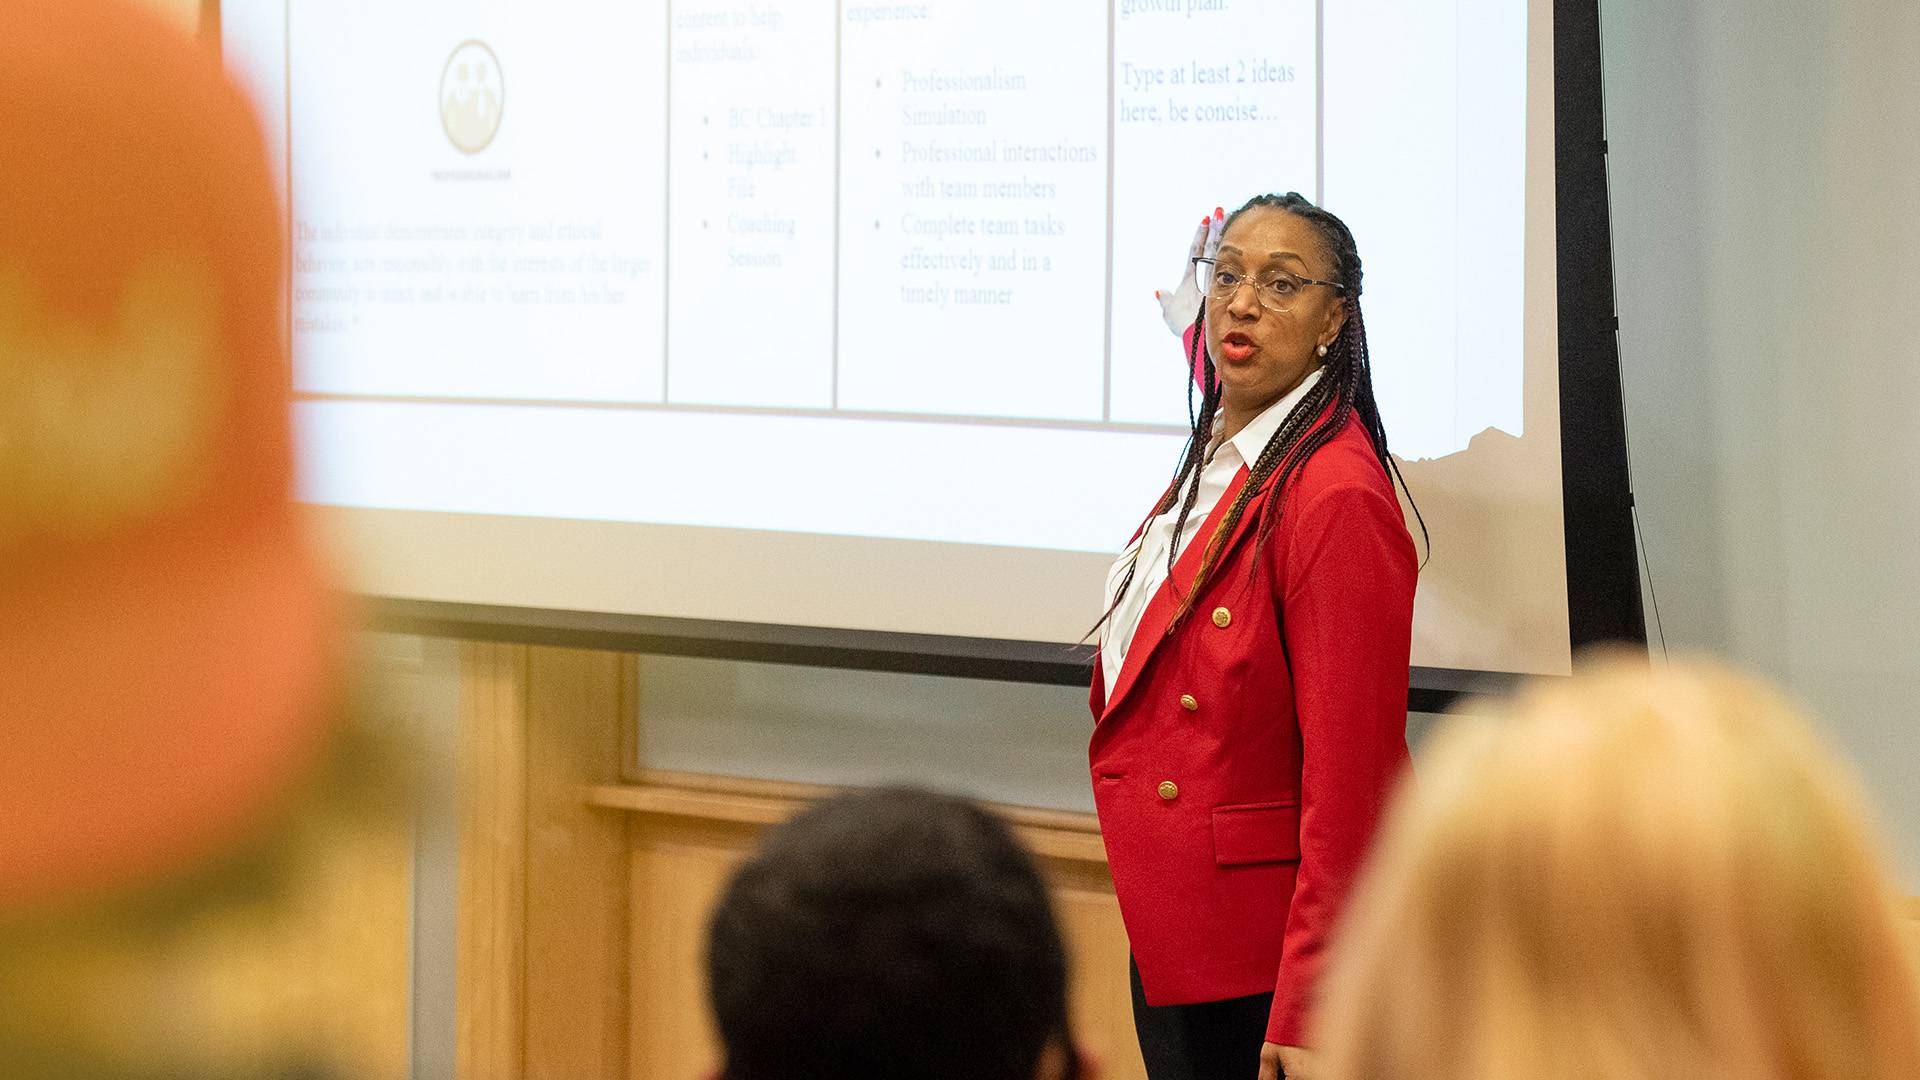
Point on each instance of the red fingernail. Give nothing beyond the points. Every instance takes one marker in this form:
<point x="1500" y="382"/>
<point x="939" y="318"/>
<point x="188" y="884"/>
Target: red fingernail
<point x="1217" y="212"/>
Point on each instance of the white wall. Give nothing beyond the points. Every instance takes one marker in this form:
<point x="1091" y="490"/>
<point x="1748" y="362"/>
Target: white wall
<point x="1765" y="171"/>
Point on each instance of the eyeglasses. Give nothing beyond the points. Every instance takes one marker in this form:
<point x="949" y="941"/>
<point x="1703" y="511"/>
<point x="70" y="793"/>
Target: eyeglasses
<point x="1277" y="292"/>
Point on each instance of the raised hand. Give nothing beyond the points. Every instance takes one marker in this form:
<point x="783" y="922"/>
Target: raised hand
<point x="1179" y="305"/>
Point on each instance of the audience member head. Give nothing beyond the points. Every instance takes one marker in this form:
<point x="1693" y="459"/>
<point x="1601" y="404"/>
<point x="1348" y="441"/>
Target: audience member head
<point x="890" y="934"/>
<point x="1631" y="875"/>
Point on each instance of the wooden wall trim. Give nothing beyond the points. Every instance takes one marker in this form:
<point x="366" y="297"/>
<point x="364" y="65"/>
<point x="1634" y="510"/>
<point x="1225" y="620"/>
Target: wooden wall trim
<point x="490" y="971"/>
<point x="541" y="978"/>
<point x="577" y="890"/>
<point x="1053" y="834"/>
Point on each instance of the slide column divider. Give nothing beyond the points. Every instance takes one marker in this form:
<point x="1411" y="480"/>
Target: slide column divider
<point x="1106" y="344"/>
<point x="1320" y="102"/>
<point x="666" y="206"/>
<point x="839" y="92"/>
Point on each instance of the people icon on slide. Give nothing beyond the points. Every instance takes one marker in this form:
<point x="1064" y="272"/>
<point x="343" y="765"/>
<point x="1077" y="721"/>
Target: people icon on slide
<point x="471" y="96"/>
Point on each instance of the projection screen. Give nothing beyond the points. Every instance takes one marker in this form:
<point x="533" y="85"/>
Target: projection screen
<point x="837" y="321"/>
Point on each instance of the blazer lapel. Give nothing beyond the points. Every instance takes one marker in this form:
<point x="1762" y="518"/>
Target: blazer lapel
<point x="1153" y="622"/>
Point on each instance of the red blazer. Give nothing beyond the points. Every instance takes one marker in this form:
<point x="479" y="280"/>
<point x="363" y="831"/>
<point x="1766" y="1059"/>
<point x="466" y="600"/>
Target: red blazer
<point x="1242" y="764"/>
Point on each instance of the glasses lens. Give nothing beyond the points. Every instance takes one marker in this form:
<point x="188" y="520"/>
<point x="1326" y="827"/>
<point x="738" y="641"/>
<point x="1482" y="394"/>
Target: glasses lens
<point x="1279" y="292"/>
<point x="1221" y="284"/>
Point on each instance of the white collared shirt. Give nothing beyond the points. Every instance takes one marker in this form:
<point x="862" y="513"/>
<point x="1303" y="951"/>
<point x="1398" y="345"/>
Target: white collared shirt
<point x="1150" y="572"/>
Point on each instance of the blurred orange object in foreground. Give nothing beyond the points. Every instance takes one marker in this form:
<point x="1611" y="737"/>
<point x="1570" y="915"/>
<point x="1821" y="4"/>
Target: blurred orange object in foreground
<point x="166" y="634"/>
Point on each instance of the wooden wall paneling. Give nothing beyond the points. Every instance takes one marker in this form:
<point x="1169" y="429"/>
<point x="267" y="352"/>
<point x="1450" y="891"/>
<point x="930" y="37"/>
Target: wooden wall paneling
<point x="489" y="991"/>
<point x="1097" y="951"/>
<point x="586" y="882"/>
<point x="679" y="867"/>
<point x="576" y="866"/>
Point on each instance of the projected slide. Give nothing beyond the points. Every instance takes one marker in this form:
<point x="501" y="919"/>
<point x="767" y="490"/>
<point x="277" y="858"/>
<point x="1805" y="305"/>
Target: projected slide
<point x="884" y="269"/>
<point x="476" y="215"/>
<point x="941" y="208"/>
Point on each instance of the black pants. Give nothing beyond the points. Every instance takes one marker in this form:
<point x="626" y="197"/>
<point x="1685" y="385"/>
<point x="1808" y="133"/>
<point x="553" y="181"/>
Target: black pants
<point x="1213" y="1040"/>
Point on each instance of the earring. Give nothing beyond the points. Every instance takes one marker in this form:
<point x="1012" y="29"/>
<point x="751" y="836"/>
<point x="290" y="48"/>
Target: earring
<point x="1321" y="351"/>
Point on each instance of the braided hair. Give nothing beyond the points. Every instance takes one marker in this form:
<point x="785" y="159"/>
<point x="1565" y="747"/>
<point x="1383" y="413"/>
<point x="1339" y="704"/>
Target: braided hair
<point x="1345" y="389"/>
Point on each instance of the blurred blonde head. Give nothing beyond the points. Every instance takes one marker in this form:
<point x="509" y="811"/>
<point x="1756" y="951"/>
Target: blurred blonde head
<point x="1627" y="876"/>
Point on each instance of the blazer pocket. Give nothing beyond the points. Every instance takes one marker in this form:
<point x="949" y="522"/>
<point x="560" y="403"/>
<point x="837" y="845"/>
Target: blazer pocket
<point x="1256" y="833"/>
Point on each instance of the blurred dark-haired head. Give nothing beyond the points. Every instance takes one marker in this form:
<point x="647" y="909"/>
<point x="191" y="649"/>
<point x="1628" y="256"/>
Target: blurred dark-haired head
<point x="892" y="933"/>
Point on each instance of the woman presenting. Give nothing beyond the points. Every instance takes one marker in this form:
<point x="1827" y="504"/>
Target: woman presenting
<point x="1251" y="691"/>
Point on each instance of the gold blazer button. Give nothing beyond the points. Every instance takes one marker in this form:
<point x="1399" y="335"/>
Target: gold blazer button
<point x="1169" y="790"/>
<point x="1221" y="617"/>
<point x="1189" y="702"/>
